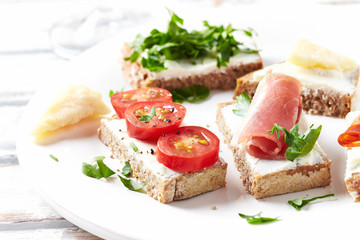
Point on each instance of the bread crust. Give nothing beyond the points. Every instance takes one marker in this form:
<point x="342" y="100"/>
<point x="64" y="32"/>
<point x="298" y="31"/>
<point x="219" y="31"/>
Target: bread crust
<point x="280" y="182"/>
<point x="139" y="77"/>
<point x="324" y="102"/>
<point x="162" y="188"/>
<point x="353" y="186"/>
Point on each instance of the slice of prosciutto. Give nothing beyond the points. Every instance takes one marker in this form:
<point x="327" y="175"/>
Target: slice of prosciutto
<point x="277" y="100"/>
<point x="351" y="137"/>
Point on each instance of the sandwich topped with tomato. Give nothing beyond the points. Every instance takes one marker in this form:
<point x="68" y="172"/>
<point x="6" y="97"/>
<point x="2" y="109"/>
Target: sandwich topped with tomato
<point x="274" y="148"/>
<point x="175" y="162"/>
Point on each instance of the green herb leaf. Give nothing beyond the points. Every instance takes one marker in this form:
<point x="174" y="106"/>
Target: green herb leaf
<point x="242" y="104"/>
<point x="147" y="118"/>
<point x="54" y="158"/>
<point x="111" y="92"/>
<point x="301" y="202"/>
<point x="97" y="169"/>
<point x="194" y="94"/>
<point x="177" y="43"/>
<point x="126" y="171"/>
<point x="134" y="147"/>
<point x="131" y="184"/>
<point x="104" y="170"/>
<point x="250" y="31"/>
<point x="91" y="170"/>
<point x="257" y="219"/>
<point x="299" y="144"/>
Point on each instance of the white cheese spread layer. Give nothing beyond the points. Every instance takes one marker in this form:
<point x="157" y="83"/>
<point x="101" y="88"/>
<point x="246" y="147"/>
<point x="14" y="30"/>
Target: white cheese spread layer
<point x="352" y="154"/>
<point x="145" y="152"/>
<point x="263" y="166"/>
<point x="184" y="68"/>
<point x="315" y="78"/>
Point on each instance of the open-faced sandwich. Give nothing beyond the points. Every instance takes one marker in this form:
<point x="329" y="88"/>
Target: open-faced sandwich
<point x="175" y="162"/>
<point x="274" y="148"/>
<point x="350" y="139"/>
<point x="213" y="57"/>
<point x="328" y="79"/>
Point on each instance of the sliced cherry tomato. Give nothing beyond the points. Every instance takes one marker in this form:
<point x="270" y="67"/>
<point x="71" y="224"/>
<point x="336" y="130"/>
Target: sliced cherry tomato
<point x="148" y="120"/>
<point x="122" y="100"/>
<point x="188" y="149"/>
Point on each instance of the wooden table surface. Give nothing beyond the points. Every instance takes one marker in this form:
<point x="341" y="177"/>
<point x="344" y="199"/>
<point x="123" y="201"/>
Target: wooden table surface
<point x="25" y="52"/>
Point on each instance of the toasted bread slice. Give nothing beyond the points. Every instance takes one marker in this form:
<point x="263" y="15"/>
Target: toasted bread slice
<point x="162" y="183"/>
<point x="325" y="92"/>
<point x="210" y="76"/>
<point x="265" y="178"/>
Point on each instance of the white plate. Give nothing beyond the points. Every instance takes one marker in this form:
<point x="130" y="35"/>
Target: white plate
<point x="109" y="210"/>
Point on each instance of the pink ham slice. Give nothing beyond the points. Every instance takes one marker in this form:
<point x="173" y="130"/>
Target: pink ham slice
<point x="277" y="100"/>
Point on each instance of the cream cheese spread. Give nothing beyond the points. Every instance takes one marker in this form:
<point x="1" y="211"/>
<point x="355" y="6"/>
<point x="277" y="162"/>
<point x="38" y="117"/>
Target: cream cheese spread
<point x="315" y="78"/>
<point x="184" y="68"/>
<point x="263" y="166"/>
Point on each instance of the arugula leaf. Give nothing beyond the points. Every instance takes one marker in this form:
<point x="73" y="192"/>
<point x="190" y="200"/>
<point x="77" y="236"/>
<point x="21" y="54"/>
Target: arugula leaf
<point x="91" y="170"/>
<point x="301" y="202"/>
<point x="299" y="144"/>
<point x="104" y="170"/>
<point x="176" y="43"/>
<point x="257" y="219"/>
<point x="193" y="94"/>
<point x="97" y="169"/>
<point x="147" y="118"/>
<point x="126" y="170"/>
<point x="243" y="102"/>
<point x="134" y="147"/>
<point x="131" y="184"/>
<point x="53" y="157"/>
<point x="137" y="46"/>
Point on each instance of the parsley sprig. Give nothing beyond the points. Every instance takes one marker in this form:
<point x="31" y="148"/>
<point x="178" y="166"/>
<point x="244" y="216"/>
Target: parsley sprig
<point x="243" y="102"/>
<point x="299" y="144"/>
<point x="301" y="202"/>
<point x="177" y="44"/>
<point x="257" y="219"/>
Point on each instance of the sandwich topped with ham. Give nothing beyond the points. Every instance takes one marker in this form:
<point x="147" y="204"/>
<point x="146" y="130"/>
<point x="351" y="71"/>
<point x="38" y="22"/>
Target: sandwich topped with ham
<point x="350" y="140"/>
<point x="274" y="147"/>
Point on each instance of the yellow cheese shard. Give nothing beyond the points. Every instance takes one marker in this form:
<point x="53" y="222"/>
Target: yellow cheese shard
<point x="77" y="102"/>
<point x="309" y="55"/>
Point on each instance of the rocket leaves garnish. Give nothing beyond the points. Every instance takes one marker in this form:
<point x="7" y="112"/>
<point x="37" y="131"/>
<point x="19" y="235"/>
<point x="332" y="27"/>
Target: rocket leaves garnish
<point x="193" y="94"/>
<point x="301" y="202"/>
<point x="243" y="102"/>
<point x="299" y="144"/>
<point x="257" y="219"/>
<point x="178" y="43"/>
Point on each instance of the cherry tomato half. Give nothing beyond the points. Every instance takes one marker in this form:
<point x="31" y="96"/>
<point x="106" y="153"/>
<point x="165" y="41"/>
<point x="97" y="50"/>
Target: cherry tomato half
<point x="148" y="120"/>
<point x="189" y="148"/>
<point x="122" y="100"/>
